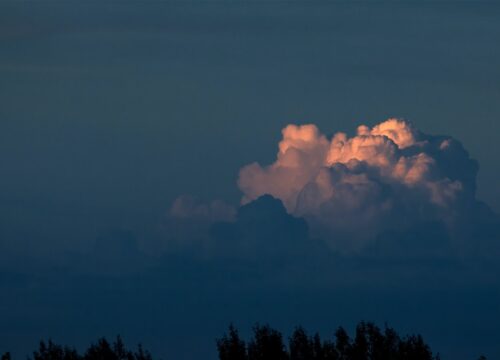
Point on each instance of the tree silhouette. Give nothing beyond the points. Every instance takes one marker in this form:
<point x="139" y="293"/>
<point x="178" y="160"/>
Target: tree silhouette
<point x="302" y="346"/>
<point x="231" y="347"/>
<point x="52" y="351"/>
<point x="141" y="354"/>
<point x="342" y="343"/>
<point x="359" y="349"/>
<point x="369" y="343"/>
<point x="325" y="350"/>
<point x="414" y="348"/>
<point x="267" y="344"/>
<point x="120" y="351"/>
<point x="101" y="350"/>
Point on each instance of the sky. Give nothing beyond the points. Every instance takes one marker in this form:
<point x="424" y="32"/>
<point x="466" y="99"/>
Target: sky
<point x="140" y="141"/>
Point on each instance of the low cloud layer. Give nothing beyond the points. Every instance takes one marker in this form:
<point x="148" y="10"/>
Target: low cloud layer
<point x="387" y="179"/>
<point x="187" y="207"/>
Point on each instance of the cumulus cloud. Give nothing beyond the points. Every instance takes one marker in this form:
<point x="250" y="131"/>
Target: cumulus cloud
<point x="387" y="178"/>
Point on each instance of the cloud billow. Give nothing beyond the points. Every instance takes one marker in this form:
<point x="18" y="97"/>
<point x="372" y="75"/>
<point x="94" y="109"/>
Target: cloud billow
<point x="384" y="180"/>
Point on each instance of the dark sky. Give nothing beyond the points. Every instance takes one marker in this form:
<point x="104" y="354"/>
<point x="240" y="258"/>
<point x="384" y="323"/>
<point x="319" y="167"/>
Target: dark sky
<point x="109" y="110"/>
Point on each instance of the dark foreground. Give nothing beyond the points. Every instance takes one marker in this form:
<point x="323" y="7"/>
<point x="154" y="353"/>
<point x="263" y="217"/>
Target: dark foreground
<point x="369" y="342"/>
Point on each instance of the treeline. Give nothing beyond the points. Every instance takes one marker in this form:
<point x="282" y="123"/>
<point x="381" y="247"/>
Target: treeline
<point x="369" y="342"/>
<point x="102" y="350"/>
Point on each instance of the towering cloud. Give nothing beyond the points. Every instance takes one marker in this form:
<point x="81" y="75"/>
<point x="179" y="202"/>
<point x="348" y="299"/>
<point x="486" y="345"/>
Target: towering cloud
<point x="353" y="189"/>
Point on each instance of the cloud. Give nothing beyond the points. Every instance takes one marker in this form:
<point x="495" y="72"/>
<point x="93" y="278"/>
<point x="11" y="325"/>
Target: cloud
<point x="185" y="228"/>
<point x="387" y="179"/>
<point x="187" y="207"/>
<point x="262" y="229"/>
